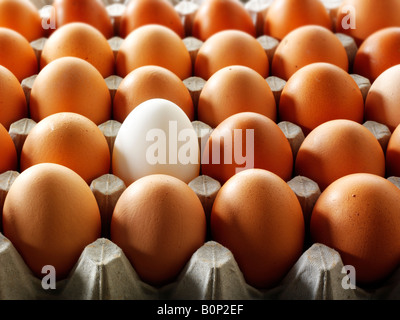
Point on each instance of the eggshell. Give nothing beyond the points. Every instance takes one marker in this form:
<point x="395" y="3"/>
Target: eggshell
<point x="69" y="139"/>
<point x="358" y="216"/>
<point x="217" y="15"/>
<point x="16" y="54"/>
<point x="21" y="16"/>
<point x="50" y="215"/>
<point x="244" y="141"/>
<point x="8" y="159"/>
<point x="141" y="12"/>
<point x="360" y="18"/>
<point x="283" y="16"/>
<point x="337" y="148"/>
<point x="381" y="104"/>
<point x="159" y="223"/>
<point x="154" y="44"/>
<point x="157" y="137"/>
<point x="232" y="90"/>
<point x="306" y="45"/>
<point x="92" y="12"/>
<point x="150" y="82"/>
<point x="79" y="40"/>
<point x="377" y="53"/>
<point x="227" y="48"/>
<point x="320" y="92"/>
<point x="393" y="154"/>
<point x="13" y="106"/>
<point x="70" y="84"/>
<point x="257" y="216"/>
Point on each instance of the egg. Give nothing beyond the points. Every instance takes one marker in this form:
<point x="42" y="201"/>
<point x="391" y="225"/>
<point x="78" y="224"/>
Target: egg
<point x="159" y="223"/>
<point x="306" y="45"/>
<point x="217" y="15"/>
<point x="157" y="137"/>
<point x="244" y="141"/>
<point x="148" y="82"/>
<point x="70" y="84"/>
<point x="360" y="18"/>
<point x="13" y="105"/>
<point x="230" y="47"/>
<point x="23" y="17"/>
<point x="141" y="12"/>
<point x="8" y="159"/>
<point x="258" y="217"/>
<point x="283" y="16"/>
<point x="320" y="92"/>
<point x="358" y="216"/>
<point x="337" y="148"/>
<point x="393" y="154"/>
<point x="92" y="12"/>
<point x="69" y="139"/>
<point x="381" y="103"/>
<point x="377" y="53"/>
<point x="16" y="54"/>
<point x="235" y="89"/>
<point x="154" y="44"/>
<point x="50" y="215"/>
<point x="81" y="40"/>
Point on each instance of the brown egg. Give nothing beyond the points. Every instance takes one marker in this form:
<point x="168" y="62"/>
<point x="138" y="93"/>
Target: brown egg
<point x="159" y="223"/>
<point x="69" y="139"/>
<point x="79" y="40"/>
<point x="92" y="12"/>
<point x="337" y="148"/>
<point x="358" y="216"/>
<point x="257" y="216"/>
<point x="154" y="44"/>
<point x="70" y="84"/>
<point x="320" y="92"/>
<point x="23" y="17"/>
<point x="150" y="82"/>
<point x="13" y="104"/>
<point x="8" y="159"/>
<point x="16" y="54"/>
<point x="232" y="90"/>
<point x="377" y="53"/>
<point x="283" y="16"/>
<point x="243" y="141"/>
<point x="381" y="104"/>
<point x="393" y="154"/>
<point x="218" y="15"/>
<point x="361" y="18"/>
<point x="227" y="48"/>
<point x="141" y="12"/>
<point x="306" y="45"/>
<point x="50" y="215"/>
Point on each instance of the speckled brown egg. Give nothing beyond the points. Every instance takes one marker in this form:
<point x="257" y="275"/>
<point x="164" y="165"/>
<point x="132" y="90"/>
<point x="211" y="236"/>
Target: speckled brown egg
<point x="358" y="216"/>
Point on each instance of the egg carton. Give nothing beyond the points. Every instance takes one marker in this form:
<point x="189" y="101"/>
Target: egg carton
<point x="104" y="273"/>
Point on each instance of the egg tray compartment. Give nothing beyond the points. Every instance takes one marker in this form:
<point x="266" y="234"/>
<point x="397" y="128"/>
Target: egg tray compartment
<point x="104" y="273"/>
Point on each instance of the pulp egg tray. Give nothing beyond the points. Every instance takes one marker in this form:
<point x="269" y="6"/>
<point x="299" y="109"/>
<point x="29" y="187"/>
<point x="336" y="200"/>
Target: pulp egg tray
<point x="103" y="272"/>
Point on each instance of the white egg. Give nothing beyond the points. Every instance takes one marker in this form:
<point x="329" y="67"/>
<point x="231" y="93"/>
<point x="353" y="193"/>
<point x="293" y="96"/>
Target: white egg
<point x="157" y="137"/>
